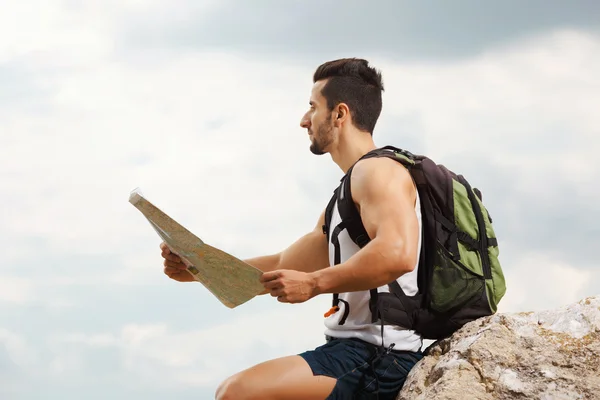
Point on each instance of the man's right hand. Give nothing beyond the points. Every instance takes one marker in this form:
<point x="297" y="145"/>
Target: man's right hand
<point x="174" y="266"/>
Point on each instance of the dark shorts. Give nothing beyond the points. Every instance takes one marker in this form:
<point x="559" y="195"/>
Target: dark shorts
<point x="350" y="362"/>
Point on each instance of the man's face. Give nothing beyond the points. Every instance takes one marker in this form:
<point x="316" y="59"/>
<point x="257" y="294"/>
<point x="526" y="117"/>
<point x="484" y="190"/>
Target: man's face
<point x="318" y="120"/>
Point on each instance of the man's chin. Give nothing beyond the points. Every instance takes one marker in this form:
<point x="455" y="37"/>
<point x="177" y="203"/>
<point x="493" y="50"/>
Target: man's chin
<point x="316" y="150"/>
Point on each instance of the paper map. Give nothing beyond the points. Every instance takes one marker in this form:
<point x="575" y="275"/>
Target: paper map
<point x="229" y="279"/>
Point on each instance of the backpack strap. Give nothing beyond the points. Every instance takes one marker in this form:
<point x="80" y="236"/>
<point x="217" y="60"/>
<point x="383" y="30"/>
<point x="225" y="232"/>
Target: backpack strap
<point x="332" y="234"/>
<point x="349" y="213"/>
<point x="328" y="212"/>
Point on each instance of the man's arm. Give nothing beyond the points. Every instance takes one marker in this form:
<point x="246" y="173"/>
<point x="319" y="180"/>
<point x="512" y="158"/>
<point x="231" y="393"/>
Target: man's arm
<point x="384" y="192"/>
<point x="307" y="254"/>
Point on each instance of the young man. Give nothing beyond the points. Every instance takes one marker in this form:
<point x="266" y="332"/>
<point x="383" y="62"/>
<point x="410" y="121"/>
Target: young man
<point x="345" y="104"/>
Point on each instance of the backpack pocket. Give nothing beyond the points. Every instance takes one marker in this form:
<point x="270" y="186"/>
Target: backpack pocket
<point x="452" y="283"/>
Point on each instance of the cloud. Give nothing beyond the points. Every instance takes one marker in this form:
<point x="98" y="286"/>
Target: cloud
<point x="393" y="29"/>
<point x="179" y="362"/>
<point x="201" y="358"/>
<point x="15" y="290"/>
<point x="17" y="361"/>
<point x="556" y="284"/>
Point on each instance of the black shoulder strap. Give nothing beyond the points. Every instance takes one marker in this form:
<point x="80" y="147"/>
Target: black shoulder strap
<point x="350" y="215"/>
<point x="328" y="212"/>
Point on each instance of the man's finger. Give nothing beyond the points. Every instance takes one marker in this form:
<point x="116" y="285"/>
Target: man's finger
<point x="269" y="276"/>
<point x="171" y="271"/>
<point x="170" y="256"/>
<point x="173" y="264"/>
<point x="282" y="299"/>
<point x="278" y="293"/>
<point x="287" y="299"/>
<point x="274" y="284"/>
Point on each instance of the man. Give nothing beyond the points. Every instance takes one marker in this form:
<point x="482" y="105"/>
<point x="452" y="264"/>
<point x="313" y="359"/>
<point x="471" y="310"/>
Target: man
<point x="345" y="104"/>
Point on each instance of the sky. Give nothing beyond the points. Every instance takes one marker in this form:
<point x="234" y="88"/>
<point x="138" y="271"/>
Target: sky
<point x="198" y="104"/>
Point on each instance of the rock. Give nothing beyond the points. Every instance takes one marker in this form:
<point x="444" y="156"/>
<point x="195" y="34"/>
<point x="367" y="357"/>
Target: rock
<point x="549" y="355"/>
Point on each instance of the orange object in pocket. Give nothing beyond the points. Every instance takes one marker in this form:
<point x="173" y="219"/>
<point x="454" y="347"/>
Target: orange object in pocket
<point x="331" y="311"/>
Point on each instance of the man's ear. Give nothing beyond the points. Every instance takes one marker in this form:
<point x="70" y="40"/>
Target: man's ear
<point x="342" y="114"/>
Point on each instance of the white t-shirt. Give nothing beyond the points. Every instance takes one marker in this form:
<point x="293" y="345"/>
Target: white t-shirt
<point x="358" y="322"/>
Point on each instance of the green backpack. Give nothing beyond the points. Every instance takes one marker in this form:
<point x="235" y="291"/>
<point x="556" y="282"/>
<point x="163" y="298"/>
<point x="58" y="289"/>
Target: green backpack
<point x="460" y="278"/>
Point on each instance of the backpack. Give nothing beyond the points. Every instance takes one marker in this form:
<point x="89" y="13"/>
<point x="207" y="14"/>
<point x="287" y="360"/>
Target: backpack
<point x="460" y="278"/>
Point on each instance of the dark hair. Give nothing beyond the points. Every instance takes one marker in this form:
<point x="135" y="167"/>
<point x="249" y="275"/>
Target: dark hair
<point x="354" y="82"/>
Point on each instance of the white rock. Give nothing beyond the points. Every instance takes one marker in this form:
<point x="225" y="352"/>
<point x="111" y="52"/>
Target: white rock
<point x="550" y="355"/>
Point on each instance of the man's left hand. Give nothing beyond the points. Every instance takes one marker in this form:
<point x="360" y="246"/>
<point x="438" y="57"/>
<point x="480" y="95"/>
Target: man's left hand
<point x="290" y="286"/>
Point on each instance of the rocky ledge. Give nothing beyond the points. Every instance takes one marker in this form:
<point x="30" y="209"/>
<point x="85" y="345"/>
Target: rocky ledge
<point x="547" y="355"/>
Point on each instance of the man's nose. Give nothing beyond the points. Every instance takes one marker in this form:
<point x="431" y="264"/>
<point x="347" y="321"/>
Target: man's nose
<point x="305" y="122"/>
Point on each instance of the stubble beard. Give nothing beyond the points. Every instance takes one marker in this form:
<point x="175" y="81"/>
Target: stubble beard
<point x="321" y="139"/>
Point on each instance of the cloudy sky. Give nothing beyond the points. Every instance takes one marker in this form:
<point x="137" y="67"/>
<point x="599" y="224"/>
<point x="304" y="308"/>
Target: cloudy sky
<point x="198" y="103"/>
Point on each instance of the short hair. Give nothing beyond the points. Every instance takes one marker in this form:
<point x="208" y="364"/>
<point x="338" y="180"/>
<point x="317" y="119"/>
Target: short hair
<point x="354" y="82"/>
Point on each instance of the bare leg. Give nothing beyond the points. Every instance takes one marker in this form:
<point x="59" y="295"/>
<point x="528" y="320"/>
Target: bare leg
<point x="286" y="378"/>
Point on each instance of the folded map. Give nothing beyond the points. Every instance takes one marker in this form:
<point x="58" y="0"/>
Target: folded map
<point x="229" y="279"/>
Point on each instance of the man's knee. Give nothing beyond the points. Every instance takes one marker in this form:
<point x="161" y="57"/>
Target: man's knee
<point x="224" y="391"/>
<point x="234" y="388"/>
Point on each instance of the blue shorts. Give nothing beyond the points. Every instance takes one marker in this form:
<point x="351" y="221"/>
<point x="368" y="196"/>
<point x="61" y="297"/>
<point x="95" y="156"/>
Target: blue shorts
<point x="359" y="373"/>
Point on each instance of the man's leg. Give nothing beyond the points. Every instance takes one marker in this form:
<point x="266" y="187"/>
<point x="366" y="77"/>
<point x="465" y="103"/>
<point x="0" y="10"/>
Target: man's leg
<point x="286" y="378"/>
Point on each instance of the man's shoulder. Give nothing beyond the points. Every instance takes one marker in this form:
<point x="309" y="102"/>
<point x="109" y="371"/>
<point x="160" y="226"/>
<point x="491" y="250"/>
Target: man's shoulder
<point x="376" y="169"/>
<point x="377" y="178"/>
<point x="381" y="160"/>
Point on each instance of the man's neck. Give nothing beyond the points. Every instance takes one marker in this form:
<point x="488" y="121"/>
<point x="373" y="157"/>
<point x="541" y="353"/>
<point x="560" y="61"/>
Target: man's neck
<point x="348" y="152"/>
